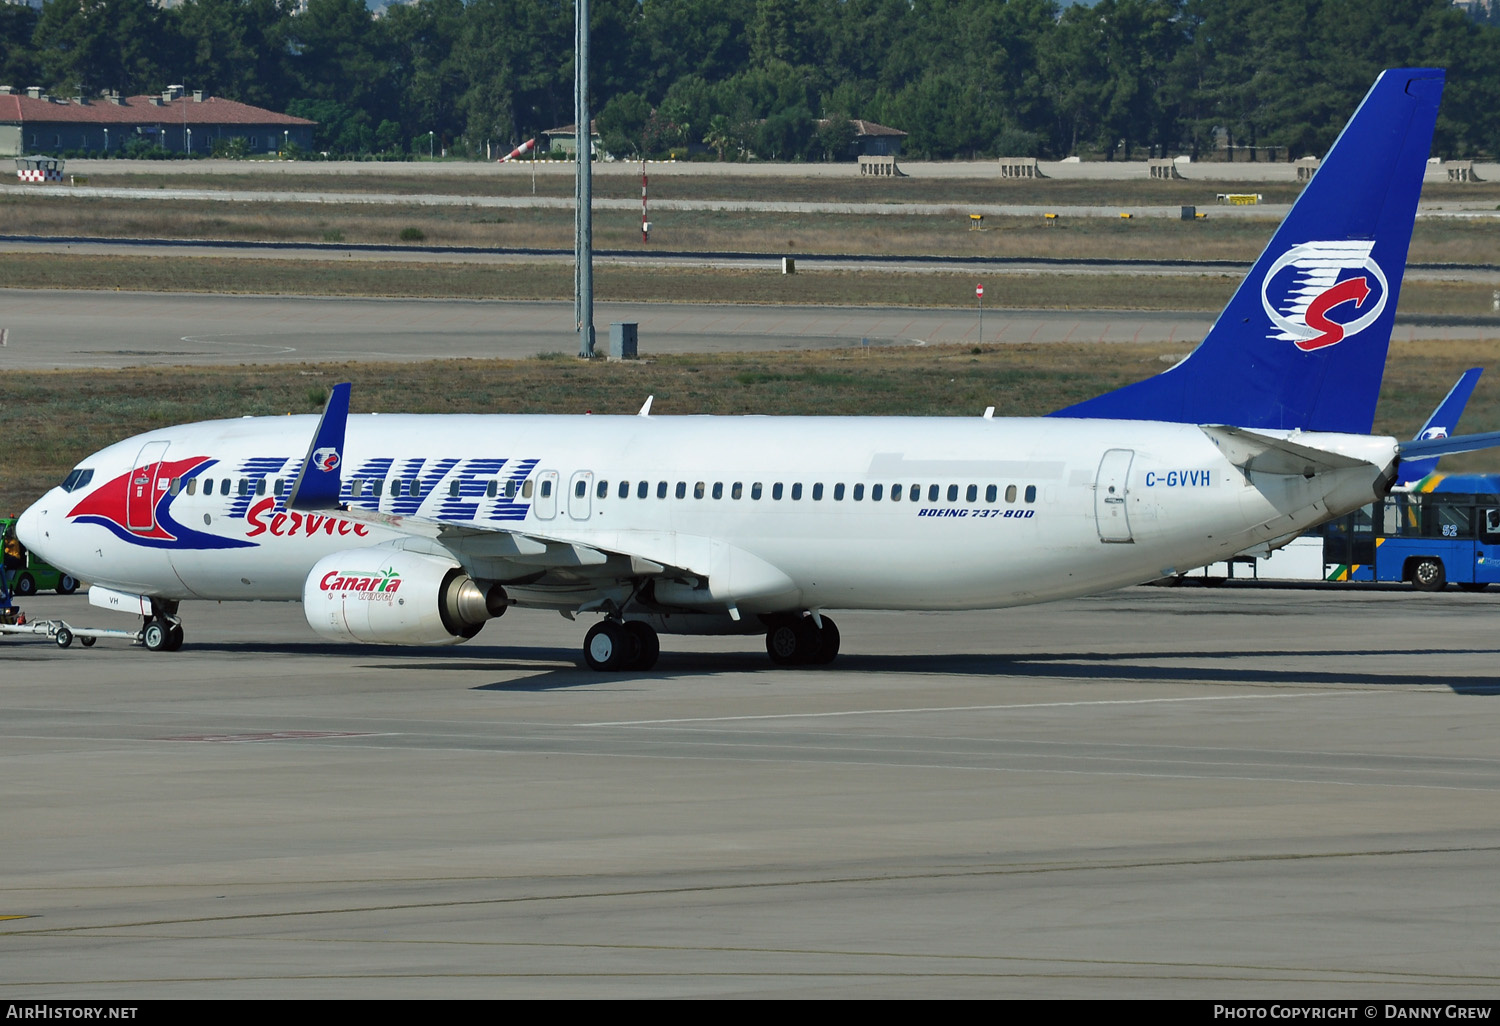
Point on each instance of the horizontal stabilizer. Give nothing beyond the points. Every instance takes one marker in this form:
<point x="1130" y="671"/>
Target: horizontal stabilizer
<point x="1421" y="448"/>
<point x="1263" y="454"/>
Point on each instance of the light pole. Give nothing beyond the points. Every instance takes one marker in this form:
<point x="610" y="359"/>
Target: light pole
<point x="583" y="230"/>
<point x="286" y="140"/>
<point x="106" y="142"/>
<point x="429" y="144"/>
<point x="189" y="140"/>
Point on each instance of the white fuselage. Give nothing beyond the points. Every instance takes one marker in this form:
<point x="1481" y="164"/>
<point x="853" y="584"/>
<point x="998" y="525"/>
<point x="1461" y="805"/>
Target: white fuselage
<point x="781" y="512"/>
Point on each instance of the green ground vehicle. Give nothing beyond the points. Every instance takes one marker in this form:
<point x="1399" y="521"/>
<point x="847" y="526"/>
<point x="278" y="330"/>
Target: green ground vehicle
<point x="34" y="575"/>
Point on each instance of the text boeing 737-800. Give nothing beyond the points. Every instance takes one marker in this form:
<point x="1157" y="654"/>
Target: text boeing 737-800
<point x="418" y="529"/>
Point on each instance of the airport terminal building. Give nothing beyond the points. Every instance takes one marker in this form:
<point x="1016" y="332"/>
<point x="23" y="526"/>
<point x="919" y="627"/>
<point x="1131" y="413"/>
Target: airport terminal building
<point x="179" y="122"/>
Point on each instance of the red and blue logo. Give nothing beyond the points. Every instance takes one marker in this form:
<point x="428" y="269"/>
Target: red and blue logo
<point x="1319" y="293"/>
<point x="137" y="507"/>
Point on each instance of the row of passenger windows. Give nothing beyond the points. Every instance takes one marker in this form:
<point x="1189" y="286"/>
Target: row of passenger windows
<point x="510" y="489"/>
<point x="778" y="491"/>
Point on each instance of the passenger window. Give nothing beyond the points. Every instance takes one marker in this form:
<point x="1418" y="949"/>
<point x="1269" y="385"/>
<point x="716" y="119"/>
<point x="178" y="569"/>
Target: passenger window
<point x="990" y="492"/>
<point x="528" y="487"/>
<point x="280" y="485"/>
<point x="699" y="490"/>
<point x="1010" y="493"/>
<point x="661" y="489"/>
<point x="755" y="491"/>
<point x="225" y="485"/>
<point x="1031" y="493"/>
<point x="602" y="489"/>
<point x="379" y="486"/>
<point x="738" y="491"/>
<point x="875" y="491"/>
<point x="972" y="495"/>
<point x="415" y="489"/>
<point x="953" y="493"/>
<point x="175" y="486"/>
<point x="776" y="491"/>
<point x="510" y="490"/>
<point x="914" y="493"/>
<point x="492" y="489"/>
<point x="453" y="488"/>
<point x="192" y="486"/>
<point x="546" y="489"/>
<point x="838" y="493"/>
<point x="395" y="487"/>
<point x="244" y="486"/>
<point x="859" y="492"/>
<point x="718" y="489"/>
<point x="580" y="488"/>
<point x="818" y="492"/>
<point x="682" y="489"/>
<point x="356" y="487"/>
<point x="932" y="493"/>
<point x="624" y="489"/>
<point x="896" y="493"/>
<point x="797" y="490"/>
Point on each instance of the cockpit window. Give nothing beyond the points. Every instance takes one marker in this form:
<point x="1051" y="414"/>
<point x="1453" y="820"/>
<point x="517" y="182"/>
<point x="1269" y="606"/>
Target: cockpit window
<point x="78" y="479"/>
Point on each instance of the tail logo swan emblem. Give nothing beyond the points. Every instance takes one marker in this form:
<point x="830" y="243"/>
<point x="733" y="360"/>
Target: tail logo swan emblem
<point x="1312" y="290"/>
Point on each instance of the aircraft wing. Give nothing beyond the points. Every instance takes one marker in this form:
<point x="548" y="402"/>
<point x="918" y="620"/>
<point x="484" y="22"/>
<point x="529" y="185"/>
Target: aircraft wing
<point x="507" y="554"/>
<point x="1420" y="448"/>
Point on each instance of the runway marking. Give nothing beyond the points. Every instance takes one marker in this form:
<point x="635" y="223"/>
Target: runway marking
<point x="209" y="340"/>
<point x="269" y="735"/>
<point x="957" y="708"/>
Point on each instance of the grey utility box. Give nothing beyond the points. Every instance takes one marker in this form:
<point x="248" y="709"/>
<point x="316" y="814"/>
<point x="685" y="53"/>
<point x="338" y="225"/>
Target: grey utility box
<point x="622" y="340"/>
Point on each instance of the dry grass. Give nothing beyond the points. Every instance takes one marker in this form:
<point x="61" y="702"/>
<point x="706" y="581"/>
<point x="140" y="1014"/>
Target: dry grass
<point x="674" y="283"/>
<point x="1213" y="238"/>
<point x="53" y="419"/>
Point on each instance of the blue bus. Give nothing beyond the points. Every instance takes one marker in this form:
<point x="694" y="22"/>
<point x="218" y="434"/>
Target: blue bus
<point x="1445" y="530"/>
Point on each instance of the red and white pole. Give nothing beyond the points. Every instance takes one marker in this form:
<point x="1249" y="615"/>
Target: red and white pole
<point x="645" y="224"/>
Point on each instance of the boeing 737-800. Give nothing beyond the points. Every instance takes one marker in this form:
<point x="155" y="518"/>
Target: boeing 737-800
<point x="414" y="529"/>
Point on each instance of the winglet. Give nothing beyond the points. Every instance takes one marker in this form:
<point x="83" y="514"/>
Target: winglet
<point x="646" y="407"/>
<point x="321" y="478"/>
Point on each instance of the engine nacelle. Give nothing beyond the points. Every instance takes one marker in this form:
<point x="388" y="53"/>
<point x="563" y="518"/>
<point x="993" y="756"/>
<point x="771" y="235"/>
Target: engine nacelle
<point x="388" y="597"/>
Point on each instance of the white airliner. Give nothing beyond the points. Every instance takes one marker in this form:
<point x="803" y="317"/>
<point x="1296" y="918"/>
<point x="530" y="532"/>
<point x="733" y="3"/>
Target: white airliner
<point x="414" y="529"/>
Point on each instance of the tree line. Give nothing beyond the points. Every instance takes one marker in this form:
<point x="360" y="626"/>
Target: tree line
<point x="781" y="79"/>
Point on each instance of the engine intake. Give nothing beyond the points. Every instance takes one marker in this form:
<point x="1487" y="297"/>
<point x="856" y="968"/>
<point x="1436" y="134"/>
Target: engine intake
<point x="388" y="597"/>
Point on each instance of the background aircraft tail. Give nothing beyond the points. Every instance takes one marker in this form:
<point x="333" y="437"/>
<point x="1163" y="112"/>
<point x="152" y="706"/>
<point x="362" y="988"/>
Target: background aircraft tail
<point x="1303" y="342"/>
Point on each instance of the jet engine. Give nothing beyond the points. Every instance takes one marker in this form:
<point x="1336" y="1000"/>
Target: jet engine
<point x="388" y="597"/>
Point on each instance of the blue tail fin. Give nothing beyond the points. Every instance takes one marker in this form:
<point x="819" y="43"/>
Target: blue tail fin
<point x="1442" y="424"/>
<point x="1303" y="342"/>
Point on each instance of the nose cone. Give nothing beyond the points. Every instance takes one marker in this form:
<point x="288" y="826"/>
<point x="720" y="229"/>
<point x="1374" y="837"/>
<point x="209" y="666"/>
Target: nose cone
<point x="29" y="529"/>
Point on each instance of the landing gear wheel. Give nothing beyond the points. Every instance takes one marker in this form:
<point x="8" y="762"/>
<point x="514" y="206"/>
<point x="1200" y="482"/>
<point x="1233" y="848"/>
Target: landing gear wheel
<point x="67" y="585"/>
<point x="608" y="646"/>
<point x="648" y="644"/>
<point x="25" y="585"/>
<point x="154" y="636"/>
<point x="1428" y="575"/>
<point x="88" y="642"/>
<point x="174" y="638"/>
<point x="828" y="642"/>
<point x="797" y="641"/>
<point x="64" y="637"/>
<point x="781" y="643"/>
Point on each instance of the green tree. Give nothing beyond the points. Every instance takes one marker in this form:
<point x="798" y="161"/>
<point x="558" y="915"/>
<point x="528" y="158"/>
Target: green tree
<point x="89" y="46"/>
<point x="237" y="49"/>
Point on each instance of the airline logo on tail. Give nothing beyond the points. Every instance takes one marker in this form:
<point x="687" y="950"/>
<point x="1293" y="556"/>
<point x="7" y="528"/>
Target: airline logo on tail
<point x="1319" y="293"/>
<point x="326" y="459"/>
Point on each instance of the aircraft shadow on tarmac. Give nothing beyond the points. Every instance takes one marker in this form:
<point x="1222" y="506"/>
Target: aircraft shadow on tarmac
<point x="560" y="668"/>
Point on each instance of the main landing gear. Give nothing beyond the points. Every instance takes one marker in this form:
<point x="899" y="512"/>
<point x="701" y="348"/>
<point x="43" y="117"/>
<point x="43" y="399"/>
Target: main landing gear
<point x="800" y="641"/>
<point x="621" y="645"/>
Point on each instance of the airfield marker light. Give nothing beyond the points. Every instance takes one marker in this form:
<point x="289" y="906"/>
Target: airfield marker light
<point x="979" y="294"/>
